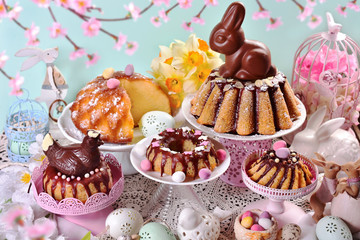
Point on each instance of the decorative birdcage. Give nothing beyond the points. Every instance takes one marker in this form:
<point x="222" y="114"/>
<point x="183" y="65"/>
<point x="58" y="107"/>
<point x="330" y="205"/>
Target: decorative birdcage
<point x="326" y="72"/>
<point x="26" y="119"/>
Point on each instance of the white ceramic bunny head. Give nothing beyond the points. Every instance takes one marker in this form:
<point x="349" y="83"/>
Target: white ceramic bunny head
<point x="36" y="55"/>
<point x="328" y="139"/>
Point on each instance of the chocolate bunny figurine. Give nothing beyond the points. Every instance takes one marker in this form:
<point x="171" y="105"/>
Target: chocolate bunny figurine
<point x="244" y="59"/>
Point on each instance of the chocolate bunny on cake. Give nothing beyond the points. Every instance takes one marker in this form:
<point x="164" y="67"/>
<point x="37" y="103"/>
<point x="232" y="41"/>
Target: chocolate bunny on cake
<point x="244" y="59"/>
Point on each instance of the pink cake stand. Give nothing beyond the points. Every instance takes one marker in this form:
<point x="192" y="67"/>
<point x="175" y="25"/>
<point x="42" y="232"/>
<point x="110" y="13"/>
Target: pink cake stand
<point x="238" y="146"/>
<point x="91" y="214"/>
<point x="276" y="202"/>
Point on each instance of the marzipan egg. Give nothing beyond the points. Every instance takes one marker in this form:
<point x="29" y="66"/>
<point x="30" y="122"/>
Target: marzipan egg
<point x="123" y="222"/>
<point x="155" y="122"/>
<point x="332" y="228"/>
<point x="155" y="231"/>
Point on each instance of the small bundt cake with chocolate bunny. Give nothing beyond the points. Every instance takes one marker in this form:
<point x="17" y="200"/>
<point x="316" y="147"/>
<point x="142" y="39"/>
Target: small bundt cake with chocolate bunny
<point x="247" y="95"/>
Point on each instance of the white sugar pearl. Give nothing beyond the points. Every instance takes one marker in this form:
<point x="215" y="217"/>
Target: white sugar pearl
<point x="78" y="178"/>
<point x="92" y="172"/>
<point x="96" y="170"/>
<point x="72" y="177"/>
<point x="56" y="177"/>
<point x="101" y="169"/>
<point x="87" y="175"/>
<point x="59" y="174"/>
<point x="68" y="179"/>
<point x="63" y="176"/>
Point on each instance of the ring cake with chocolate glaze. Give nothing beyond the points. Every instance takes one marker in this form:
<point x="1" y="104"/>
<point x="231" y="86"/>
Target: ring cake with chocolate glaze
<point x="76" y="171"/>
<point x="181" y="149"/>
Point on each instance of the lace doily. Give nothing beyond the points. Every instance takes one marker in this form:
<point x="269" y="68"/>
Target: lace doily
<point x="3" y="154"/>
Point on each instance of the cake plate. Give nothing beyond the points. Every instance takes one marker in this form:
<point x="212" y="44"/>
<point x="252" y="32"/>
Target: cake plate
<point x="239" y="146"/>
<point x="169" y="191"/>
<point x="277" y="199"/>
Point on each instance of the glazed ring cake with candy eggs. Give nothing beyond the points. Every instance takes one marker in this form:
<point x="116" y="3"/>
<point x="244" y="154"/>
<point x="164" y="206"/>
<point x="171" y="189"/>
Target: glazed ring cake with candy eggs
<point x="114" y="103"/>
<point x="246" y="95"/>
<point x="76" y="171"/>
<point x="182" y="149"/>
<point x="280" y="168"/>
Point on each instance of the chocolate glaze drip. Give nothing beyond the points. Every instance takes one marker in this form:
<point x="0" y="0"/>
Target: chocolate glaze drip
<point x="174" y="141"/>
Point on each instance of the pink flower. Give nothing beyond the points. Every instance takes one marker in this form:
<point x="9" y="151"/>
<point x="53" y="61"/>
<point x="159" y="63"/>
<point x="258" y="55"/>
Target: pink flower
<point x="93" y="59"/>
<point x="91" y="27"/>
<point x="280" y="0"/>
<point x="15" y="11"/>
<point x="198" y="20"/>
<point x="15" y="216"/>
<point x="211" y="2"/>
<point x="159" y="2"/>
<point x="64" y="3"/>
<point x="184" y="3"/>
<point x="57" y="31"/>
<point x="3" y="12"/>
<point x="31" y="34"/>
<point x="41" y="230"/>
<point x="187" y="26"/>
<point x="131" y="48"/>
<point x="80" y="6"/>
<point x="163" y="15"/>
<point x="133" y="10"/>
<point x="121" y="40"/>
<point x="261" y="14"/>
<point x="3" y="59"/>
<point x="353" y="6"/>
<point x="15" y="83"/>
<point x="307" y="11"/>
<point x="314" y="21"/>
<point x="77" y="53"/>
<point x="274" y="23"/>
<point x="312" y="3"/>
<point x="341" y="10"/>
<point x="155" y="21"/>
<point x="42" y="3"/>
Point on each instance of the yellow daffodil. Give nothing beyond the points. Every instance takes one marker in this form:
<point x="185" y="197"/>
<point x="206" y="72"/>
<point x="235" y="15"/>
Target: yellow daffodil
<point x="25" y="177"/>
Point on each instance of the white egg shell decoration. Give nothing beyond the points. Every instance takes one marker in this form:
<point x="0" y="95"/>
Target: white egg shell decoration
<point x="155" y="231"/>
<point x="194" y="225"/>
<point x="155" y="122"/>
<point x="123" y="222"/>
<point x="332" y="228"/>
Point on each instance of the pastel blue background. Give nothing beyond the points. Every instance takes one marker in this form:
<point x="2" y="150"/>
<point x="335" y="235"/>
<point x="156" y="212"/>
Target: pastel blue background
<point x="282" y="42"/>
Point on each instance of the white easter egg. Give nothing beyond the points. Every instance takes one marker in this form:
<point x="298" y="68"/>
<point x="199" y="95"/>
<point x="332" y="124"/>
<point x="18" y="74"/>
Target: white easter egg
<point x="155" y="122"/>
<point x="178" y="176"/>
<point x="290" y="231"/>
<point x="155" y="231"/>
<point x="332" y="228"/>
<point x="189" y="218"/>
<point x="123" y="222"/>
<point x="265" y="223"/>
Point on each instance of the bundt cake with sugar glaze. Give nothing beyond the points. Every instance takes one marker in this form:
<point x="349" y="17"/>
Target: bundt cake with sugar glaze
<point x="181" y="149"/>
<point x="274" y="171"/>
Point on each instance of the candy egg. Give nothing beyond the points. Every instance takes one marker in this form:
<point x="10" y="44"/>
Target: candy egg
<point x="265" y="214"/>
<point x="204" y="173"/>
<point x="257" y="227"/>
<point x="129" y="70"/>
<point x="247" y="222"/>
<point x="154" y="122"/>
<point x="146" y="165"/>
<point x="265" y="223"/>
<point x="282" y="152"/>
<point x="178" y="176"/>
<point x="112" y="83"/>
<point x="156" y="231"/>
<point x="123" y="222"/>
<point x="221" y="154"/>
<point x="246" y="214"/>
<point x="279" y="144"/>
<point x="108" y="73"/>
<point x="332" y="228"/>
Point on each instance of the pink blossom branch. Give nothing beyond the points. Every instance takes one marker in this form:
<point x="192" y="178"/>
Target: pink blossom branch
<point x="261" y="8"/>
<point x="5" y="74"/>
<point x="201" y="11"/>
<point x="299" y="5"/>
<point x="15" y="21"/>
<point x="171" y="8"/>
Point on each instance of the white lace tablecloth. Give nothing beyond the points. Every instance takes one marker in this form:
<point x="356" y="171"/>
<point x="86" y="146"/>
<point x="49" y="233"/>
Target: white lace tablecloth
<point x="139" y="191"/>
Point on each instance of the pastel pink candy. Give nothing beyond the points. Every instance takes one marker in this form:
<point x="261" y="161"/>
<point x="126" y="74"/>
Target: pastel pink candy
<point x="129" y="70"/>
<point x="265" y="214"/>
<point x="279" y="144"/>
<point x="170" y="130"/>
<point x="221" y="154"/>
<point x="282" y="152"/>
<point x="204" y="173"/>
<point x="146" y="165"/>
<point x="197" y="133"/>
<point x="155" y="144"/>
<point x="257" y="227"/>
<point x="247" y="214"/>
<point x="112" y="83"/>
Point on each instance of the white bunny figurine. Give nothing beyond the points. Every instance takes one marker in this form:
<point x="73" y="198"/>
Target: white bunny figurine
<point x="328" y="139"/>
<point x="54" y="86"/>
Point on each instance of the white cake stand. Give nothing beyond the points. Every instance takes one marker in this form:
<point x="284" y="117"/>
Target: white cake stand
<point x="276" y="202"/>
<point x="166" y="194"/>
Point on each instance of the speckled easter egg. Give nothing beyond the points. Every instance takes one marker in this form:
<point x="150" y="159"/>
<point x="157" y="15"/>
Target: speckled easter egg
<point x="289" y="231"/>
<point x="123" y="222"/>
<point x="155" y="122"/>
<point x="155" y="231"/>
<point x="332" y="228"/>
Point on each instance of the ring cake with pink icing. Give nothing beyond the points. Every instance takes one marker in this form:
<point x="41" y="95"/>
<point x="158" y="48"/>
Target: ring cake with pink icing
<point x="182" y="149"/>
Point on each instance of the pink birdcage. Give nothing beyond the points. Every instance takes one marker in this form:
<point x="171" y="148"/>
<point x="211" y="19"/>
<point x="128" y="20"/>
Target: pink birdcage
<point x="326" y="72"/>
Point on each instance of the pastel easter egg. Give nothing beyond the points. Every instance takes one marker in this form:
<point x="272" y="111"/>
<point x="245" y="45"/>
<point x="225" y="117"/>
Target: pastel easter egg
<point x="178" y="176"/>
<point x="123" y="222"/>
<point x="155" y="231"/>
<point x="247" y="222"/>
<point x="282" y="152"/>
<point x="19" y="148"/>
<point x="279" y="144"/>
<point x="221" y="154"/>
<point x="146" y="165"/>
<point x="204" y="173"/>
<point x="257" y="227"/>
<point x="265" y="214"/>
<point x="112" y="83"/>
<point x="108" y="73"/>
<point x="129" y="70"/>
<point x="154" y="122"/>
<point x="289" y="231"/>
<point x="247" y="214"/>
<point x="332" y="228"/>
<point x="265" y="223"/>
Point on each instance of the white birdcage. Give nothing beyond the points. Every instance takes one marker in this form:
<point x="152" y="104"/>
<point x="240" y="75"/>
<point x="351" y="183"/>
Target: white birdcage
<point x="326" y="72"/>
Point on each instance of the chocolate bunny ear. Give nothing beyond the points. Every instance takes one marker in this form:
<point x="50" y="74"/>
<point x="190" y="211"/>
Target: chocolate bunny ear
<point x="234" y="16"/>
